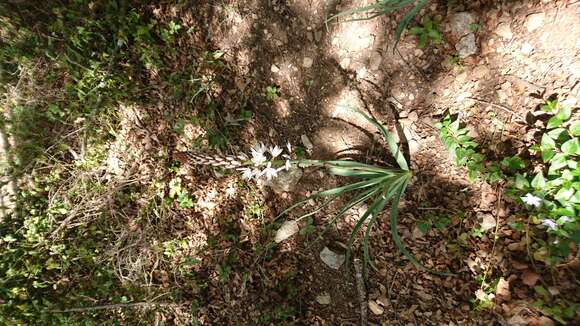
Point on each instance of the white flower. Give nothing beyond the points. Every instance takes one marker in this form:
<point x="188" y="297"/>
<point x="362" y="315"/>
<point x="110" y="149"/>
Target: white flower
<point x="287" y="166"/>
<point x="565" y="219"/>
<point x="269" y="172"/>
<point x="551" y="224"/>
<point x="258" y="156"/>
<point x="247" y="173"/>
<point x="532" y="200"/>
<point x="289" y="148"/>
<point x="275" y="151"/>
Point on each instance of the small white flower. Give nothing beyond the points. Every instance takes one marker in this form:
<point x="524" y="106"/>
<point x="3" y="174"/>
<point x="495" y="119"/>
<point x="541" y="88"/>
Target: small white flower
<point x="565" y="219"/>
<point x="247" y="173"/>
<point x="532" y="200"/>
<point x="551" y="224"/>
<point x="258" y="156"/>
<point x="289" y="148"/>
<point x="287" y="165"/>
<point x="275" y="151"/>
<point x="269" y="172"/>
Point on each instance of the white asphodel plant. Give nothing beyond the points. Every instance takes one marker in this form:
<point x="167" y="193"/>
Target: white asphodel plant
<point x="377" y="185"/>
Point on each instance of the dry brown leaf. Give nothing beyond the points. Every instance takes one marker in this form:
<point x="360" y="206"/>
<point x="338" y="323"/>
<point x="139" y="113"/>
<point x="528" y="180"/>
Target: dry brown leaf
<point x="502" y="290"/>
<point x="530" y="278"/>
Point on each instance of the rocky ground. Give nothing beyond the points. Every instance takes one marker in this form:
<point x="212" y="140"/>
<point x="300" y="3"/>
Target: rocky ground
<point x="498" y="61"/>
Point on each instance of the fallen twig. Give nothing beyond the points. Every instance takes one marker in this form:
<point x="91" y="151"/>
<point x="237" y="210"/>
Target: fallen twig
<point x="120" y="305"/>
<point x="499" y="106"/>
<point x="360" y="285"/>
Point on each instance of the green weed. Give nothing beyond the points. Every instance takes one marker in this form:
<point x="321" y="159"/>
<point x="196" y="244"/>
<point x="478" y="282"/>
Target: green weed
<point x="428" y="30"/>
<point x="385" y="7"/>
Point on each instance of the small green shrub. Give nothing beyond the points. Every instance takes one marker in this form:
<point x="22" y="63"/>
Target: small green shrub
<point x="428" y="30"/>
<point x="550" y="193"/>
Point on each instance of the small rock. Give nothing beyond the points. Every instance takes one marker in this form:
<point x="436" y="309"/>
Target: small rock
<point x="414" y="146"/>
<point x="332" y="259"/>
<point x="413" y="116"/>
<point x="535" y="21"/>
<point x="375" y="308"/>
<point x="460" y="23"/>
<point x="307" y="62"/>
<point x="274" y="68"/>
<point x="288" y="229"/>
<point x="307" y="143"/>
<point x="466" y="46"/>
<point x="504" y="31"/>
<point x="323" y="299"/>
<point x="286" y="181"/>
<point x="527" y="49"/>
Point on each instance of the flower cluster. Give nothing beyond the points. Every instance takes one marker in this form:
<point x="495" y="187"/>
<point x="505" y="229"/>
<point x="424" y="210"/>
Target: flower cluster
<point x="536" y="202"/>
<point x="267" y="162"/>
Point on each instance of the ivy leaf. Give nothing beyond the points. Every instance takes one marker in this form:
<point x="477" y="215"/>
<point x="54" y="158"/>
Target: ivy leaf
<point x="538" y="182"/>
<point x="558" y="134"/>
<point x="575" y="128"/>
<point x="454" y="126"/>
<point x="571" y="147"/>
<point x="513" y="163"/>
<point x="564" y="113"/>
<point x="547" y="154"/>
<point x="557" y="162"/>
<point x="521" y="182"/>
<point x="554" y="122"/>
<point x="563" y="195"/>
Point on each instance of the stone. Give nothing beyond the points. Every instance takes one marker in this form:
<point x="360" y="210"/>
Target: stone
<point x="331" y="258"/>
<point x="307" y="143"/>
<point x="460" y="23"/>
<point x="504" y="31"/>
<point x="535" y="21"/>
<point x="288" y="229"/>
<point x="414" y="116"/>
<point x="274" y="68"/>
<point x="466" y="46"/>
<point x="323" y="299"/>
<point x="286" y="181"/>
<point x="307" y="62"/>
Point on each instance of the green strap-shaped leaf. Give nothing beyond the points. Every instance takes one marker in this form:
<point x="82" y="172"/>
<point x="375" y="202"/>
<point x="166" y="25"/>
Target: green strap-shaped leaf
<point x="397" y="239"/>
<point x="336" y="191"/>
<point x="393" y="147"/>
<point x="407" y="19"/>
<point x="353" y="202"/>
